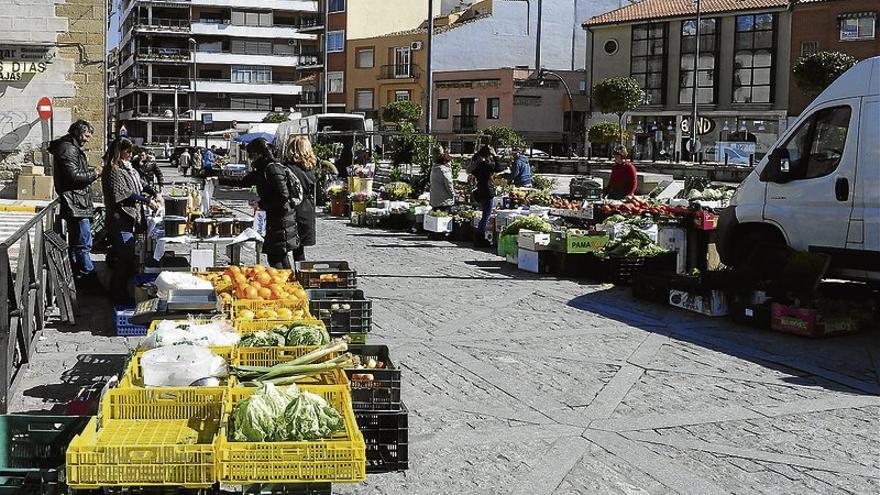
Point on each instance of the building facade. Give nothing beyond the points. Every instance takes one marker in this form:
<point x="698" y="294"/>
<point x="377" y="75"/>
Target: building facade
<point x="742" y="82"/>
<point x="466" y="102"/>
<point x="847" y="26"/>
<point x="189" y="67"/>
<point x="54" y="50"/>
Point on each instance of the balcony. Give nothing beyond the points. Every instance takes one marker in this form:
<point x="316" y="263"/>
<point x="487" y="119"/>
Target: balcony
<point x="311" y="98"/>
<point x="179" y="83"/>
<point x="155" y="112"/>
<point x="249" y="87"/>
<point x="158" y="54"/>
<point x="286" y="5"/>
<point x="166" y="25"/>
<point x="227" y="29"/>
<point x="410" y="71"/>
<point x="275" y="60"/>
<point x="311" y="23"/>
<point x="464" y="124"/>
<point x="230" y="114"/>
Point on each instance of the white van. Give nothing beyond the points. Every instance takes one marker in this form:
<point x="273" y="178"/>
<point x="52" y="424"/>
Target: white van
<point x="818" y="189"/>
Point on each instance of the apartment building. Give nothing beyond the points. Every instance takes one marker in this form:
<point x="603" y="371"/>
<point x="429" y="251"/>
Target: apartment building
<point x="742" y="74"/>
<point x="847" y="26"/>
<point x="189" y="67"/>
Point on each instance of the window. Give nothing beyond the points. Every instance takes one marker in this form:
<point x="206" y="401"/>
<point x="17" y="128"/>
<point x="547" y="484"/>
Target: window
<point x="257" y="74"/>
<point x="493" y="108"/>
<point x="402" y="95"/>
<point x="442" y="109"/>
<point x="817" y="146"/>
<point x="250" y="47"/>
<point x="336" y="6"/>
<point x="335" y="41"/>
<point x="809" y="47"/>
<point x="753" y="58"/>
<point x="363" y="99"/>
<point x="364" y="58"/>
<point x="855" y="27"/>
<point x="708" y="56"/>
<point x="336" y="82"/>
<point x="649" y="60"/>
<point x="611" y="46"/>
<point x="250" y="103"/>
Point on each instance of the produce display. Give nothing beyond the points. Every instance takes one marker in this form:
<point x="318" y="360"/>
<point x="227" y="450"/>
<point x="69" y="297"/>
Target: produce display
<point x="529" y="196"/>
<point x="634" y="207"/>
<point x="278" y="414"/>
<point x="527" y="223"/>
<point x="634" y="243"/>
<point x="289" y="372"/>
<point x="565" y="204"/>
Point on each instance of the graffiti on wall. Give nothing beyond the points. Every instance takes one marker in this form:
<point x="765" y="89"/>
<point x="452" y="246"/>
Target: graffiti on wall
<point x="15" y="126"/>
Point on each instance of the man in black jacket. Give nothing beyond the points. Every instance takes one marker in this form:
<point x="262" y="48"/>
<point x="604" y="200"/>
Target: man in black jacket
<point x="150" y="173"/>
<point x="73" y="179"/>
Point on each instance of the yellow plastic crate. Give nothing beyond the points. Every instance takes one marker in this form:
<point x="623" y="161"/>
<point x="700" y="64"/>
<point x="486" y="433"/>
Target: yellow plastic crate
<point x="340" y="459"/>
<point x="235" y="307"/>
<point x="134" y="378"/>
<point x="245" y="327"/>
<point x="149" y="437"/>
<point x="270" y="356"/>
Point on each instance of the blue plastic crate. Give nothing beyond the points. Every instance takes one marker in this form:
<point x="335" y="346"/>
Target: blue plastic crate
<point x="124" y="327"/>
<point x="145" y="278"/>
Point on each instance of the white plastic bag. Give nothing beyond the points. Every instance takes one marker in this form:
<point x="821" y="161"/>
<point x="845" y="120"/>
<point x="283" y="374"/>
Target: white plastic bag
<point x="180" y="365"/>
<point x="217" y="333"/>
<point x="167" y="281"/>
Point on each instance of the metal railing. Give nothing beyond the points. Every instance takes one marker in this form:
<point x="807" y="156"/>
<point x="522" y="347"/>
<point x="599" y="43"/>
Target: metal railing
<point x="168" y="82"/>
<point x="158" y="111"/>
<point x="42" y="278"/>
<point x="164" y="53"/>
<point x="159" y="23"/>
<point x="311" y="97"/>
<point x="464" y="123"/>
<point x="399" y="71"/>
<point x="311" y="22"/>
<point x="230" y="81"/>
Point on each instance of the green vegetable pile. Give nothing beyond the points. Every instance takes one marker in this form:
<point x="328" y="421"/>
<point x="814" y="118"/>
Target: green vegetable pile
<point x="273" y="414"/>
<point x="272" y="338"/>
<point x="438" y="213"/>
<point x="305" y="334"/>
<point x="634" y="243"/>
<point x="527" y="223"/>
<point x="299" y="369"/>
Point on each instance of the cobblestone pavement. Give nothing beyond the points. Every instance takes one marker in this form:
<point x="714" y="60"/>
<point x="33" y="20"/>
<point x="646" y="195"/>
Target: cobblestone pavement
<point x="521" y="384"/>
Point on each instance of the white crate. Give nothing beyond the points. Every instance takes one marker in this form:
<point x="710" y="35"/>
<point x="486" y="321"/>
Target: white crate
<point x="533" y="241"/>
<point x="531" y="261"/>
<point x="438" y="224"/>
<point x="675" y="239"/>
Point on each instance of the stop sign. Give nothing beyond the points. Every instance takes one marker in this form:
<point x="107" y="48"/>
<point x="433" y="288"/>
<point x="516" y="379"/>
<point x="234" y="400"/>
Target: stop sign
<point x="44" y="108"/>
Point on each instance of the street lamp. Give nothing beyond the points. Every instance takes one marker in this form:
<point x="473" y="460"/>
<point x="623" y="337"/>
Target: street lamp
<point x="694" y="149"/>
<point x="195" y="105"/>
<point x="542" y="74"/>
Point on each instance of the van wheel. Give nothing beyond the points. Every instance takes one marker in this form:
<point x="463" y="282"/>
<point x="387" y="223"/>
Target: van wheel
<point x="766" y="254"/>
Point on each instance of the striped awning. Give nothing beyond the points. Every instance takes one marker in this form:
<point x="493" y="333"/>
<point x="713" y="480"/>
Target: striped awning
<point x="856" y="15"/>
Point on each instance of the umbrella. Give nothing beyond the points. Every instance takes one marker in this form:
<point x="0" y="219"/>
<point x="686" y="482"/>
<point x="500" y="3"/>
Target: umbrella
<point x="247" y="138"/>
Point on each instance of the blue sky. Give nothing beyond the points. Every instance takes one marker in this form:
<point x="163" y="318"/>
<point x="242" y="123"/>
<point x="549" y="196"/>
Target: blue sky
<point x="113" y="31"/>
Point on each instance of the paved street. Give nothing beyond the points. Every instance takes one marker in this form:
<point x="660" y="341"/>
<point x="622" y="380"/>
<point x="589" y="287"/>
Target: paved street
<point x="518" y="384"/>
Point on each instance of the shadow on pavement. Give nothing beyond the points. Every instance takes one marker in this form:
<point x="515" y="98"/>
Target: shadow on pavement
<point x="90" y="369"/>
<point x="843" y="363"/>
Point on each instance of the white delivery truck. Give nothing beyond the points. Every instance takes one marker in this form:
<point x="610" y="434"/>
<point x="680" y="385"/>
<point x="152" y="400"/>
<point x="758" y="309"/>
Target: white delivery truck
<point x="350" y="131"/>
<point x="818" y="188"/>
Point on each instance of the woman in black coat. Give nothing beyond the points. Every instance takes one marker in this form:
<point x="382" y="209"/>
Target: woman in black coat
<point x="280" y="193"/>
<point x="302" y="161"/>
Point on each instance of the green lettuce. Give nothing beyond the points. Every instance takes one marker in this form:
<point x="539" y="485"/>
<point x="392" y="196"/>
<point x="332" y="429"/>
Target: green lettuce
<point x="256" y="418"/>
<point x="304" y="334"/>
<point x="310" y="417"/>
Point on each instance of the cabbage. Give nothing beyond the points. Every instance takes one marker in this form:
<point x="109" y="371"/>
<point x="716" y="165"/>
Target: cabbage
<point x="304" y="334"/>
<point x="257" y="418"/>
<point x="262" y="339"/>
<point x="310" y="417"/>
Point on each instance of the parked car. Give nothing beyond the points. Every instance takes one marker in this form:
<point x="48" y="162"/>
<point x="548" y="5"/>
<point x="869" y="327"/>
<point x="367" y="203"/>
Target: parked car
<point x="818" y="188"/>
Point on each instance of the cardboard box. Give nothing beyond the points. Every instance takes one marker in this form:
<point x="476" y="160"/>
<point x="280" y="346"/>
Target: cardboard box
<point x="709" y="303"/>
<point x="704" y="220"/>
<point x="35" y="187"/>
<point x="577" y="244"/>
<point x="533" y="261"/>
<point x="810" y="322"/>
<point x="33" y="170"/>
<point x="438" y="224"/>
<point x="533" y="241"/>
<point x="675" y="239"/>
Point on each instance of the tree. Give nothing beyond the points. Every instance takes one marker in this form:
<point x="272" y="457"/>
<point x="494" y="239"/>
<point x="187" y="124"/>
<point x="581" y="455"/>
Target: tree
<point x="502" y="137"/>
<point x="815" y="72"/>
<point x="604" y="134"/>
<point x="402" y="111"/>
<point x="275" y="118"/>
<point x="617" y="95"/>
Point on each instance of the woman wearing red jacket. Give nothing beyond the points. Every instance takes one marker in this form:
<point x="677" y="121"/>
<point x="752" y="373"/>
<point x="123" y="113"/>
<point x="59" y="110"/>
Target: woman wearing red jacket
<point x="624" y="181"/>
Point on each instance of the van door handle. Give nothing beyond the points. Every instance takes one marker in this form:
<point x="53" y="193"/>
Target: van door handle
<point x="841" y="189"/>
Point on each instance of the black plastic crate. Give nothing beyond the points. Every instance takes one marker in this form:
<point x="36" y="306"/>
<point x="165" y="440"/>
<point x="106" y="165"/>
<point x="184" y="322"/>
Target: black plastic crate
<point x="386" y="434"/>
<point x="309" y="275"/>
<point x="382" y="392"/>
<point x="342" y="310"/>
<point x="653" y="287"/>
<point x="620" y="270"/>
<point x="33" y="452"/>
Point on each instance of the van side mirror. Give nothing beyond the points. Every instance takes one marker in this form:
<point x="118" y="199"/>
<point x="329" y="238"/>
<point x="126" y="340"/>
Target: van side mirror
<point x="784" y="166"/>
<point x="771" y="169"/>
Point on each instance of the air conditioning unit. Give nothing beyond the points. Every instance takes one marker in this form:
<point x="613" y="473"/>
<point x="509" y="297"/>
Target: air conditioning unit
<point x="416" y="45"/>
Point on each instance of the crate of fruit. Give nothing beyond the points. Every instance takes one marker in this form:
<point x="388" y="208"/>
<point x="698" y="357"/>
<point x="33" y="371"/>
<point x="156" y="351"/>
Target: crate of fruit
<point x="331" y="450"/>
<point x="326" y="275"/>
<point x="386" y="435"/>
<point x="342" y="310"/>
<point x="32" y="456"/>
<point x="149" y="437"/>
<point x="375" y="384"/>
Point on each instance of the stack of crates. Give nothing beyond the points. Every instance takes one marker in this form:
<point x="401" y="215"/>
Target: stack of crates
<point x="326" y="275"/>
<point x="343" y="311"/>
<point x="380" y="414"/>
<point x="32" y="452"/>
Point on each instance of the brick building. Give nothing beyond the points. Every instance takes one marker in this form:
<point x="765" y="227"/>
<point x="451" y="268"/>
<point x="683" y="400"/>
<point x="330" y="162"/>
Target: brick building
<point x="53" y="49"/>
<point x="847" y="26"/>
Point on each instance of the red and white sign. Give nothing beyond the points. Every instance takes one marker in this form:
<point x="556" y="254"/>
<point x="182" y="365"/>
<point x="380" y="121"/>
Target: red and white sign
<point x="234" y="124"/>
<point x="44" y="108"/>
